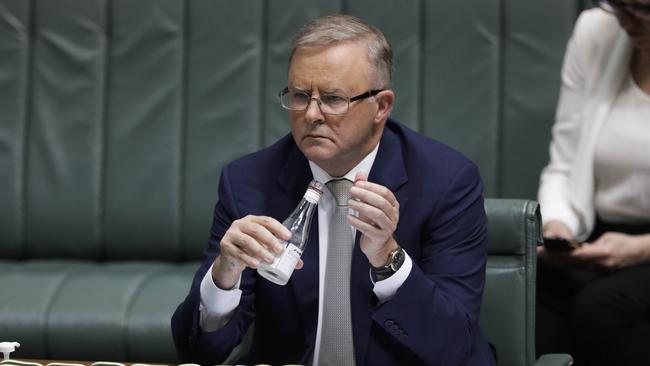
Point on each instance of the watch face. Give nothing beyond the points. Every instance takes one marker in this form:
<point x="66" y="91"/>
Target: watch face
<point x="397" y="260"/>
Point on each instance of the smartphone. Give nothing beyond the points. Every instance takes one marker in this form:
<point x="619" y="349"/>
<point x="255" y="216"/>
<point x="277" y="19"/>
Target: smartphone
<point x="560" y="244"/>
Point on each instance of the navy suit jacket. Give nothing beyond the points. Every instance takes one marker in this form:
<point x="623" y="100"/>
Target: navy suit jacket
<point x="432" y="319"/>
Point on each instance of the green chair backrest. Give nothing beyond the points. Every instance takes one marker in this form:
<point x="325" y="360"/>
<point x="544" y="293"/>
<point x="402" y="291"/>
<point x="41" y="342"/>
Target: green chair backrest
<point x="508" y="308"/>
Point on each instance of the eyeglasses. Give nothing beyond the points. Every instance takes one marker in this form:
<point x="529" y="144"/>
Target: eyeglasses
<point x="295" y="100"/>
<point x="614" y="6"/>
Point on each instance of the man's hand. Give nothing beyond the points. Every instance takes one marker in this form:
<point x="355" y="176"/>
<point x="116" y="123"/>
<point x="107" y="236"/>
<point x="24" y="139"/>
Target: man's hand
<point x="248" y="242"/>
<point x="378" y="217"/>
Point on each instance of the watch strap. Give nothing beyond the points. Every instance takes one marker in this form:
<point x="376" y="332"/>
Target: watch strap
<point x="395" y="261"/>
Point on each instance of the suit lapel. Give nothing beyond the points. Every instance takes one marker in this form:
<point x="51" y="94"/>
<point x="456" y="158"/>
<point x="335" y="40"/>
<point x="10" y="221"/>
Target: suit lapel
<point x="389" y="171"/>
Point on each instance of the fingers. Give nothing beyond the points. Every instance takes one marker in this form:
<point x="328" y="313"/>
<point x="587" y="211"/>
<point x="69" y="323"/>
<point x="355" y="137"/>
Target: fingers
<point x="254" y="239"/>
<point x="245" y="256"/>
<point x="591" y="254"/>
<point x="376" y="204"/>
<point x="610" y="250"/>
<point x="299" y="264"/>
<point x="373" y="192"/>
<point x="361" y="176"/>
<point x="370" y="229"/>
<point x="378" y="213"/>
<point x="602" y="252"/>
<point x="272" y="225"/>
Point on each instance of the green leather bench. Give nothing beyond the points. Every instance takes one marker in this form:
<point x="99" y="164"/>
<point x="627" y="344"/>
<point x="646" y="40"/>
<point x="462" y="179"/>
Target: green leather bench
<point x="116" y="117"/>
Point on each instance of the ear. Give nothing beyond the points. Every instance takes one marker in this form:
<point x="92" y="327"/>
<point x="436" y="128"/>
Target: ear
<point x="385" y="100"/>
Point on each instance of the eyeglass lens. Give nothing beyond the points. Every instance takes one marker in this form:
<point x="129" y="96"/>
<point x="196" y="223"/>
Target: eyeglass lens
<point x="328" y="103"/>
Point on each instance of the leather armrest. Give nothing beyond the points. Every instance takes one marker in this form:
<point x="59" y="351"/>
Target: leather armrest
<point x="553" y="359"/>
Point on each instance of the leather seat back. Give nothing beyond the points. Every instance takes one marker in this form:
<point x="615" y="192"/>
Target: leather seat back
<point x="508" y="308"/>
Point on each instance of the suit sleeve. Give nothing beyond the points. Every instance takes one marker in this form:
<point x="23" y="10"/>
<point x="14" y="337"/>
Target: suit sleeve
<point x="192" y="343"/>
<point x="435" y="313"/>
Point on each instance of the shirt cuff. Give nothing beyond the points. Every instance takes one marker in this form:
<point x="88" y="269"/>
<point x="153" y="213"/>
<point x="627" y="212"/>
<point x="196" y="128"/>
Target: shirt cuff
<point x="386" y="289"/>
<point x="217" y="305"/>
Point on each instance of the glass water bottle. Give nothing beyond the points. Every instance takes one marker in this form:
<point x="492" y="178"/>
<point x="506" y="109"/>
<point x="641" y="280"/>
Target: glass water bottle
<point x="298" y="223"/>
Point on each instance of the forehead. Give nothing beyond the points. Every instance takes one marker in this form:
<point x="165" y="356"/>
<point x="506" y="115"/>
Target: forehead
<point x="336" y="66"/>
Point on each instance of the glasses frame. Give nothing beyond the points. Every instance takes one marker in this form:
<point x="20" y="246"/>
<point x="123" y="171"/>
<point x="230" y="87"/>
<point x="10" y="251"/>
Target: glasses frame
<point x="367" y="94"/>
<point x="617" y="6"/>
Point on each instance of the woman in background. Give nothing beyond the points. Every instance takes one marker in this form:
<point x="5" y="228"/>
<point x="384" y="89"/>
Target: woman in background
<point x="594" y="301"/>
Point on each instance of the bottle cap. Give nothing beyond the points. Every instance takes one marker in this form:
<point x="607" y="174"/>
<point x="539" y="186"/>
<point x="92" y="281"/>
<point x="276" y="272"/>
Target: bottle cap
<point x="7" y="347"/>
<point x="314" y="191"/>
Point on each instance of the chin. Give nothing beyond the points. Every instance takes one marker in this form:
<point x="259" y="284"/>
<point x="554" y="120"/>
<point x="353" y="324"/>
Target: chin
<point x="317" y="148"/>
<point x="317" y="154"/>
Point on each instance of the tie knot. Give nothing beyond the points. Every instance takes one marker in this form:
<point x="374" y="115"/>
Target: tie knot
<point x="340" y="189"/>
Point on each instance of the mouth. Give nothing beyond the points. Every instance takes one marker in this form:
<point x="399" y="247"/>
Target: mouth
<point x="316" y="137"/>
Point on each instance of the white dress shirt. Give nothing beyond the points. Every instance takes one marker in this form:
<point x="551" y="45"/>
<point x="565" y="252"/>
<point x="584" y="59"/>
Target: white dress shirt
<point x="217" y="305"/>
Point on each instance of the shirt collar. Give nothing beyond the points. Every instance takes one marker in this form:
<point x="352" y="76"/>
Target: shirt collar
<point x="364" y="165"/>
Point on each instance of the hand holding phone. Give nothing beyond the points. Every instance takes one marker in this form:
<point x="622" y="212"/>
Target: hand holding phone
<point x="560" y="244"/>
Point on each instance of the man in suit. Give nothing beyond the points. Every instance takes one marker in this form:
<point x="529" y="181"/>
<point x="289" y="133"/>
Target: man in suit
<point x="418" y="254"/>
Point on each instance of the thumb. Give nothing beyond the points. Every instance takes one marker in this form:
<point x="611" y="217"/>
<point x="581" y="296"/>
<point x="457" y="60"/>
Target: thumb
<point x="299" y="264"/>
<point x="361" y="175"/>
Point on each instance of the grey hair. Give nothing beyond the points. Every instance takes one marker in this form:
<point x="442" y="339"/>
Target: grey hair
<point x="331" y="29"/>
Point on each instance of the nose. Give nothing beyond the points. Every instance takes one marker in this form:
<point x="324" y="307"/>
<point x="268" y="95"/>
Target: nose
<point x="313" y="113"/>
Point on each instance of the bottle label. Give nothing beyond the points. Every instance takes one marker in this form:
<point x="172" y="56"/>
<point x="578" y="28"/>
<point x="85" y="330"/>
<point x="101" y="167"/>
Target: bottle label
<point x="286" y="262"/>
<point x="312" y="195"/>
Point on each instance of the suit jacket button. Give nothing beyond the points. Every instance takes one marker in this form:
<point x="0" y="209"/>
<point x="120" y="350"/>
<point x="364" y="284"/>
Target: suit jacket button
<point x="389" y="322"/>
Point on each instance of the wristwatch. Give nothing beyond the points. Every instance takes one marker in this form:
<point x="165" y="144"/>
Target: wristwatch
<point x="395" y="261"/>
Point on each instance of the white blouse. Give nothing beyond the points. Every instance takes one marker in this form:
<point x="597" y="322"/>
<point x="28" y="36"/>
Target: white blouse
<point x="596" y="63"/>
<point x="622" y="158"/>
